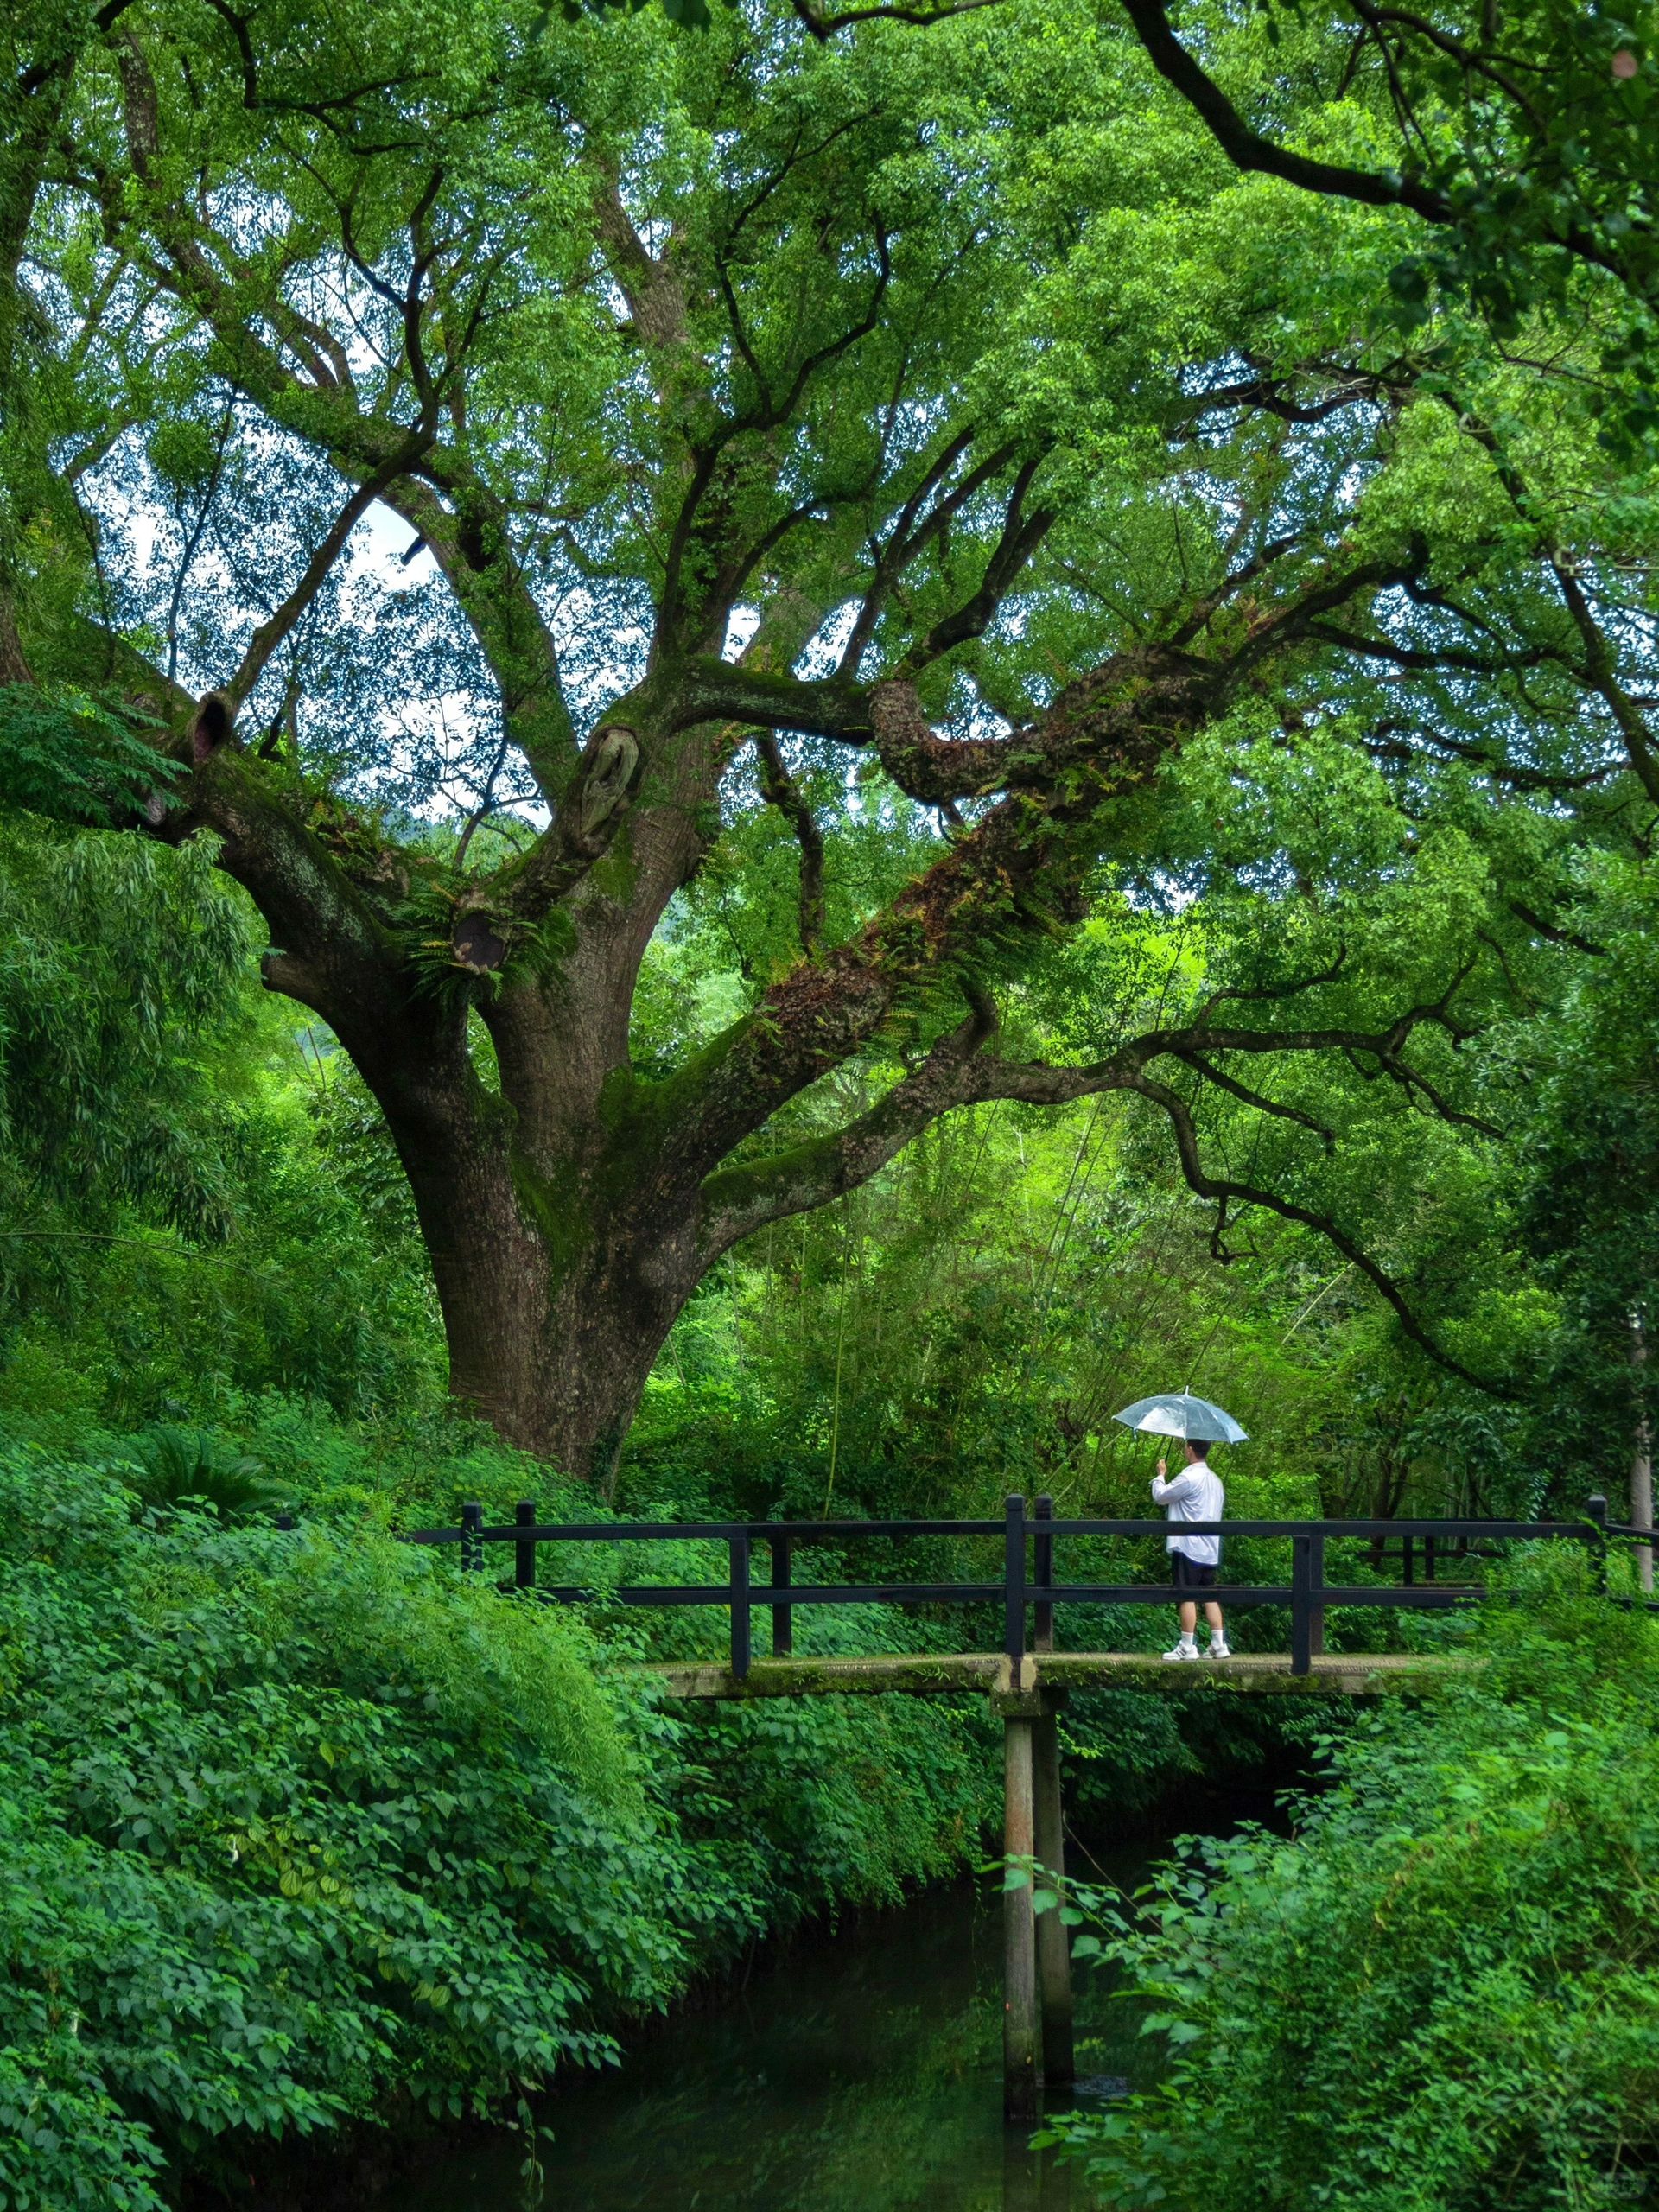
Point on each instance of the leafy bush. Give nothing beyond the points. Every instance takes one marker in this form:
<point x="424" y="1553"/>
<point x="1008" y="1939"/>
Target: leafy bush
<point x="1437" y="1996"/>
<point x="306" y="1829"/>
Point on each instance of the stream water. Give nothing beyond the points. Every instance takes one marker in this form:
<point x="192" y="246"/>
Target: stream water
<point x="855" y="2071"/>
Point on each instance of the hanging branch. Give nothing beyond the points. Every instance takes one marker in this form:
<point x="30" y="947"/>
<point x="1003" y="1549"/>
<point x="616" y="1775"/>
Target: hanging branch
<point x="1226" y="1190"/>
<point x="782" y="791"/>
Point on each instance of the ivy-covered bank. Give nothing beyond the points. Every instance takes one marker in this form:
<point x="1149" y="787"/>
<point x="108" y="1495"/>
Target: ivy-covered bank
<point x="303" y="1834"/>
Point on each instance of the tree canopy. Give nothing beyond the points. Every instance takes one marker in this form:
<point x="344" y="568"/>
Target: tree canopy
<point x="519" y="479"/>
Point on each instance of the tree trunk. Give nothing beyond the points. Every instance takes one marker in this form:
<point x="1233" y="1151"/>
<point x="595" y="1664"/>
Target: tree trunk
<point x="558" y="1280"/>
<point x="554" y="1307"/>
<point x="556" y="1360"/>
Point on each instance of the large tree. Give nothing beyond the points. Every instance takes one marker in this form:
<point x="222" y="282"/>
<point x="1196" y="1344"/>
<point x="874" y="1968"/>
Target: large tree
<point x="763" y="419"/>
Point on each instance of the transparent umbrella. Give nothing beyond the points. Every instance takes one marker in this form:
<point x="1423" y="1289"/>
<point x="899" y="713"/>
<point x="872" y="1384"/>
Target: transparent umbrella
<point x="1178" y="1413"/>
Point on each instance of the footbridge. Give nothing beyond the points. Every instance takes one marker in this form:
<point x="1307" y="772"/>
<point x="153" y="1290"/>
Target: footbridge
<point x="1010" y="1606"/>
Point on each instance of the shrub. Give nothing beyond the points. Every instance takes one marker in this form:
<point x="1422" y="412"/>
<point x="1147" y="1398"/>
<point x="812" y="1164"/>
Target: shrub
<point x="1437" y="1995"/>
<point x="307" y="1829"/>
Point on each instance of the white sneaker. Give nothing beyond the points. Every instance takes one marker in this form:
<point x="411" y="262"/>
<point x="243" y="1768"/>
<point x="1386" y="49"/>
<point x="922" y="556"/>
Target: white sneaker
<point x="1184" y="1647"/>
<point x="1219" y="1649"/>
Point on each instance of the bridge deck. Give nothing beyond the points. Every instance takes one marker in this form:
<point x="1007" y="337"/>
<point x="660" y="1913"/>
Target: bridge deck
<point x="929" y="1674"/>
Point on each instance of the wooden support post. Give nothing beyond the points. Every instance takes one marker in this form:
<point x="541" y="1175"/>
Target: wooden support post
<point x="1053" y="1937"/>
<point x="1301" y="1607"/>
<point x="1022" y="2175"/>
<point x="1642" y="1455"/>
<point x="1597" y="1510"/>
<point x="1014" y="1580"/>
<point x="1021" y="2064"/>
<point x="1316" y="1597"/>
<point x="523" y="1549"/>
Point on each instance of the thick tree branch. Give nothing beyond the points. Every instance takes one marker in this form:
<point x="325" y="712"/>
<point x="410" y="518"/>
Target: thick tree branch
<point x="737" y="1200"/>
<point x="907" y="539"/>
<point x="1601" y="673"/>
<point x="884" y="716"/>
<point x="1021" y="535"/>
<point x="684" y="612"/>
<point x="1249" y="150"/>
<point x="825" y="27"/>
<point x="1389" y="744"/>
<point x="464" y="521"/>
<point x="742" y="1198"/>
<point x="655" y="297"/>
<point x="1017" y="868"/>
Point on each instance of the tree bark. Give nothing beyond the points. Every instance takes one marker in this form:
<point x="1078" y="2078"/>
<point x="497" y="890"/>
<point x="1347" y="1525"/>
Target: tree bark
<point x="557" y="1292"/>
<point x="561" y="1247"/>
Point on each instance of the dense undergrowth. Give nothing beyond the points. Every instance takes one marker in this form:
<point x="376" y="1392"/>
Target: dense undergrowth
<point x="1438" y="1994"/>
<point x="304" y="1831"/>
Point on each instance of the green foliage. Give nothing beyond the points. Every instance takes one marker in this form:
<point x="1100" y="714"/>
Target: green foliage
<point x="306" y="1830"/>
<point x="114" y="959"/>
<point x="181" y="1223"/>
<point x="180" y="1467"/>
<point x="1437" y="1995"/>
<point x="1588" y="1150"/>
<point x="308" y="1833"/>
<point x="66" y="754"/>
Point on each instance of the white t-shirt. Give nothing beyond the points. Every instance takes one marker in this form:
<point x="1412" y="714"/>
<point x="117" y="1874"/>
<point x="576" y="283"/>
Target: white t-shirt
<point x="1195" y="1494"/>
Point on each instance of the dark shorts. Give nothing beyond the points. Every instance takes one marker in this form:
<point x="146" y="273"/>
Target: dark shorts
<point x="1188" y="1574"/>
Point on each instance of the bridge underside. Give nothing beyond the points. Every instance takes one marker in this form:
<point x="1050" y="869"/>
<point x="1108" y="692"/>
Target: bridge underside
<point x="931" y="1674"/>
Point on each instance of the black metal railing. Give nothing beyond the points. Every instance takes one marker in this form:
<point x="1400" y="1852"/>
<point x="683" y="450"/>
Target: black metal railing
<point x="1025" y="1540"/>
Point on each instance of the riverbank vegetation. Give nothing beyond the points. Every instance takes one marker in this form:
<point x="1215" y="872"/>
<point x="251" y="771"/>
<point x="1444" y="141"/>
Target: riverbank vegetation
<point x="744" y="763"/>
<point x="1438" y="1990"/>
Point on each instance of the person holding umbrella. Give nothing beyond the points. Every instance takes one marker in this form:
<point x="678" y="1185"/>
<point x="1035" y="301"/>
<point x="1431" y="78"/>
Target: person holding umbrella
<point x="1194" y="1494"/>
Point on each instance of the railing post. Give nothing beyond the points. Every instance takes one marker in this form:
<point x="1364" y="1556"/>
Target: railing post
<point x="1013" y="1584"/>
<point x="1302" y="1608"/>
<point x="1597" y="1510"/>
<point x="1408" y="1552"/>
<point x="1428" y="1558"/>
<point x="783" y="1616"/>
<point x="471" y="1541"/>
<point x="741" y="1651"/>
<point x="523" y="1552"/>
<point x="285" y="1520"/>
<point x="1042" y="1553"/>
<point x="1316" y="1597"/>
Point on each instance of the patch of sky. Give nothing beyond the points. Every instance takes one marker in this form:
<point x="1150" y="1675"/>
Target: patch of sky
<point x="740" y="627"/>
<point x="822" y="653"/>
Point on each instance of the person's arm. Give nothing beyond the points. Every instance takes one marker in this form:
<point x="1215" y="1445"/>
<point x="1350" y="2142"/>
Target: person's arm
<point x="1180" y="1487"/>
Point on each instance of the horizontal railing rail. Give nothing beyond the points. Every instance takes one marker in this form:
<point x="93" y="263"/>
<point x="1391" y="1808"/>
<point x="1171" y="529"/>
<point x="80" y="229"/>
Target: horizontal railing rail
<point x="1024" y="1586"/>
<point x="825" y="1532"/>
